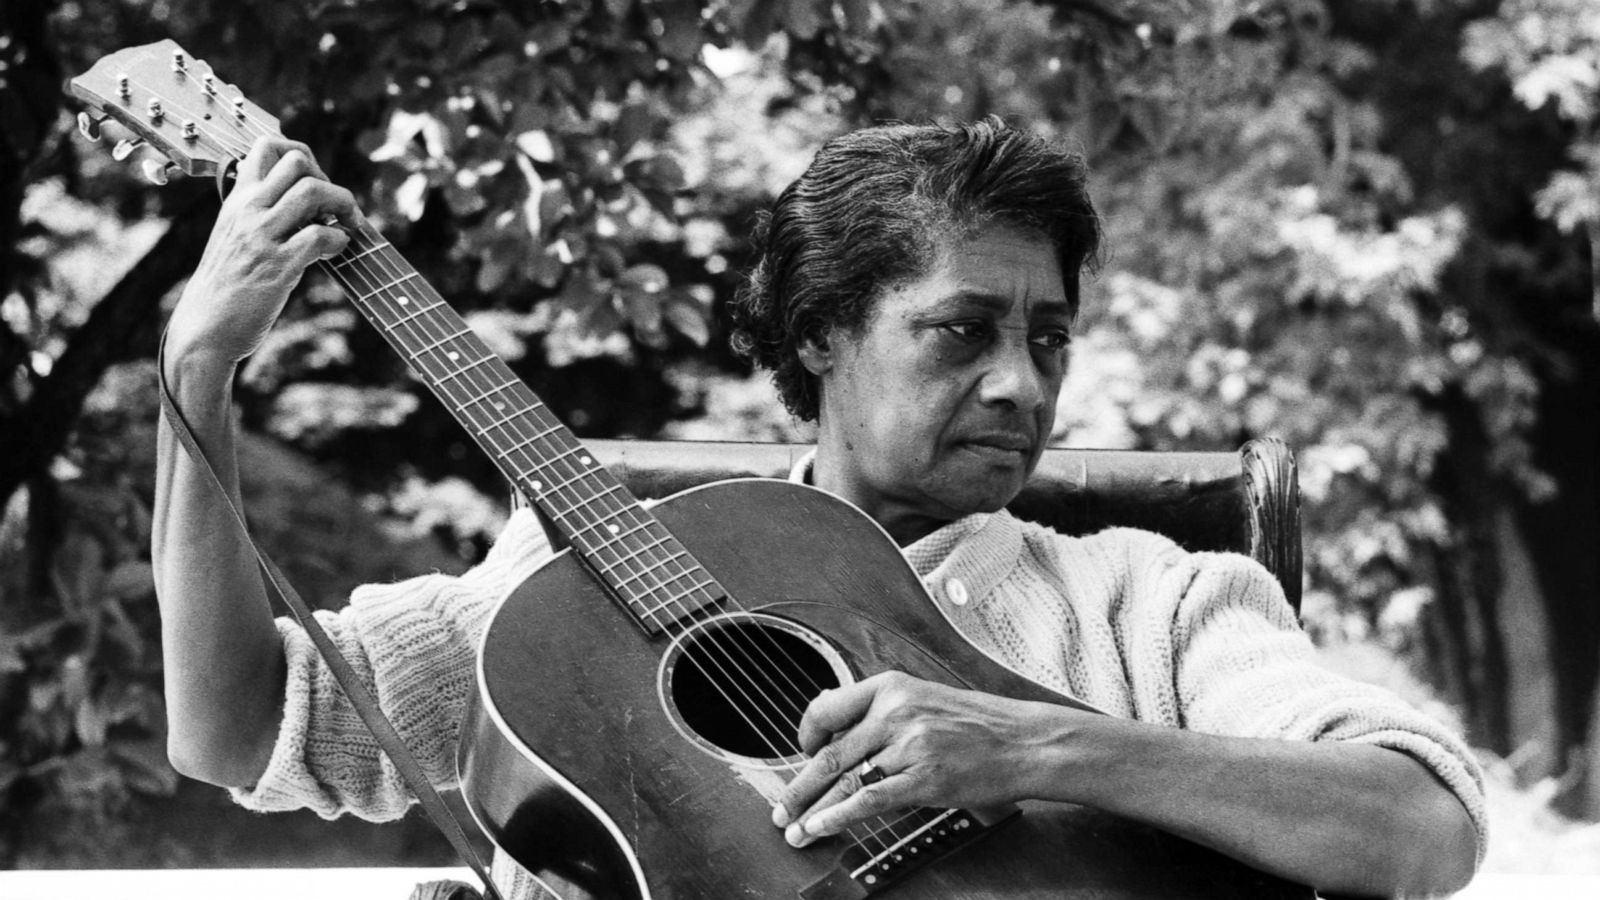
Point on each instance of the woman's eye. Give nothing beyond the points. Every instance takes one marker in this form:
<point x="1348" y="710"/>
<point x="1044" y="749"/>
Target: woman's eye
<point x="968" y="330"/>
<point x="1052" y="340"/>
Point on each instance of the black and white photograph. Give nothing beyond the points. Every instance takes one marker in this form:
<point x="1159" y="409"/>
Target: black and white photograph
<point x="799" y="449"/>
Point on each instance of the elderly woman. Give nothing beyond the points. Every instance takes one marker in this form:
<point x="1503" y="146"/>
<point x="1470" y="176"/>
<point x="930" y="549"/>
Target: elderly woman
<point x="915" y="296"/>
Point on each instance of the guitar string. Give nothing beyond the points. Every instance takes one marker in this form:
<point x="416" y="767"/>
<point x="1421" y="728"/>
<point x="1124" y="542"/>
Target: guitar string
<point x="423" y="323"/>
<point x="873" y="834"/>
<point x="442" y="382"/>
<point x="652" y="571"/>
<point x="726" y="657"/>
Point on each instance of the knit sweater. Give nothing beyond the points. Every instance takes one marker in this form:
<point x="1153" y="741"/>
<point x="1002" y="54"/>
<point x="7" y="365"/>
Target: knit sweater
<point x="1124" y="619"/>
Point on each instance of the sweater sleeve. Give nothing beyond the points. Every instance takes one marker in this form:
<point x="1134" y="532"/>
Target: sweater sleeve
<point x="414" y="644"/>
<point x="1244" y="667"/>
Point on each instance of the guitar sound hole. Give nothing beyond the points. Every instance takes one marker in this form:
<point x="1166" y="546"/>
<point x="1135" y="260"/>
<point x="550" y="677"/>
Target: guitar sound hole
<point x="741" y="684"/>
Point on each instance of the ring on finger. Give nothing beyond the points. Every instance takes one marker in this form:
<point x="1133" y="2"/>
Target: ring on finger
<point x="870" y="774"/>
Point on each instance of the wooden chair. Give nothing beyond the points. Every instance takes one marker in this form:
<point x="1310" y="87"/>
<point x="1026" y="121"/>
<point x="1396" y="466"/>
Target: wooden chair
<point x="1246" y="502"/>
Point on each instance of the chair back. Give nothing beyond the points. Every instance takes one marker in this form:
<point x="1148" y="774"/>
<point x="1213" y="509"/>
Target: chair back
<point x="1245" y="502"/>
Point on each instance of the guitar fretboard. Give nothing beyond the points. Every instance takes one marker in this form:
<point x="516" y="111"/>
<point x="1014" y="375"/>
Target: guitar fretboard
<point x="645" y="567"/>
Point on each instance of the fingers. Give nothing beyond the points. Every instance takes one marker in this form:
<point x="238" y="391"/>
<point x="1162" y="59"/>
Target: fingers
<point x="835" y="710"/>
<point x="842" y="716"/>
<point x="267" y="152"/>
<point x="831" y="816"/>
<point x="831" y="773"/>
<point x="315" y="242"/>
<point x="310" y="200"/>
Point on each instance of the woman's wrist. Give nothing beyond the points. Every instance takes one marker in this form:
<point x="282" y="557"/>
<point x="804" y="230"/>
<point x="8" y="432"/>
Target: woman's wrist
<point x="1061" y="745"/>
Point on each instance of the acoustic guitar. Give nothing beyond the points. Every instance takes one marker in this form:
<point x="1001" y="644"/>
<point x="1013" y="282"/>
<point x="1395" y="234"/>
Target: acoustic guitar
<point x="639" y="695"/>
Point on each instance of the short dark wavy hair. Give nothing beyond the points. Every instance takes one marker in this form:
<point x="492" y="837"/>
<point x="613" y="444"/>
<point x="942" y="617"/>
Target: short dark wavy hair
<point x="871" y="212"/>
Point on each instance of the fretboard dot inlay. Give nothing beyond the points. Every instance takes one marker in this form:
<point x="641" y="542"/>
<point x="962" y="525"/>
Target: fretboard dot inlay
<point x="453" y="355"/>
<point x="614" y="528"/>
<point x="586" y="460"/>
<point x="537" y="485"/>
<point x="499" y="406"/>
<point x="402" y="300"/>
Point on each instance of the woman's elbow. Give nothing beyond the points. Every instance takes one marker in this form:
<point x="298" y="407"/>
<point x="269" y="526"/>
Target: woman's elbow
<point x="225" y="762"/>
<point x="1441" y="855"/>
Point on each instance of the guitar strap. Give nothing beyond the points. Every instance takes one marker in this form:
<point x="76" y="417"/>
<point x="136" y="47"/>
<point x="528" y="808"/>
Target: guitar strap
<point x="366" y="705"/>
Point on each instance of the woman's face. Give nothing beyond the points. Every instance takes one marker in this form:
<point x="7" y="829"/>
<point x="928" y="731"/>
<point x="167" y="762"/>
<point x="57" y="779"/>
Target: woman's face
<point x="940" y="403"/>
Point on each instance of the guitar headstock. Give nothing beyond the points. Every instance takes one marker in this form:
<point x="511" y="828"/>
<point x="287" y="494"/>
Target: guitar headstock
<point x="173" y="103"/>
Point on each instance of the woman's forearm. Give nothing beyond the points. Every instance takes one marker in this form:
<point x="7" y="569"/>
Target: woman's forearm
<point x="1342" y="817"/>
<point x="223" y="658"/>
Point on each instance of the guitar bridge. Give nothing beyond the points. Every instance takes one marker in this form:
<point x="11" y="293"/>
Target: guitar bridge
<point x="863" y="871"/>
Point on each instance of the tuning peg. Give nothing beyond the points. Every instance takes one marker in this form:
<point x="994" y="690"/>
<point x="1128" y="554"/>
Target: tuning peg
<point x="157" y="171"/>
<point x="125" y="148"/>
<point x="90" y="125"/>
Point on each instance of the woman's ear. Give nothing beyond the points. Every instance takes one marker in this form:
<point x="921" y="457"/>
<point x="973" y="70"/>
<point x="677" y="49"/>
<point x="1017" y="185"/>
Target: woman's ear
<point x="816" y="354"/>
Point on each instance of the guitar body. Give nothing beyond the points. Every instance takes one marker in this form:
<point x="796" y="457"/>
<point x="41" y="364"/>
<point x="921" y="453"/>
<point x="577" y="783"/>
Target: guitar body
<point x="585" y="760"/>
<point x="637" y="705"/>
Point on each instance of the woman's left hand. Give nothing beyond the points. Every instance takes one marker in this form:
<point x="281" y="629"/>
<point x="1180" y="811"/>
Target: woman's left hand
<point x="928" y="745"/>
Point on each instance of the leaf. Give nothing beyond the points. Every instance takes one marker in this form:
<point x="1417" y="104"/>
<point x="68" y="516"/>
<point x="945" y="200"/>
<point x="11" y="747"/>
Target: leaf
<point x="11" y="662"/>
<point x="463" y="201"/>
<point x="681" y="36"/>
<point x="857" y="16"/>
<point x="633" y="124"/>
<point x="554" y="206"/>
<point x="537" y="145"/>
<point x="643" y="311"/>
<point x="545" y="269"/>
<point x="499" y="261"/>
<point x="759" y="22"/>
<point x="411" y="198"/>
<point x="645" y="277"/>
<point x="689" y="318"/>
<point x="90" y="722"/>
<point x="803" y="18"/>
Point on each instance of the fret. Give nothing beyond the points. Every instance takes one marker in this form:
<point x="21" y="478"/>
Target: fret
<point x="662" y="578"/>
<point x="581" y="475"/>
<point x="441" y="341"/>
<point x="391" y="285"/>
<point x="489" y="393"/>
<point x="467" y="368"/>
<point x="612" y="488"/>
<point x="677" y="600"/>
<point x="525" y="442"/>
<point x="621" y="560"/>
<point x="603" y="529"/>
<point x="642" y="524"/>
<point x="644" y="567"/>
<point x="367" y="252"/>
<point x="511" y="416"/>
<point x="412" y="315"/>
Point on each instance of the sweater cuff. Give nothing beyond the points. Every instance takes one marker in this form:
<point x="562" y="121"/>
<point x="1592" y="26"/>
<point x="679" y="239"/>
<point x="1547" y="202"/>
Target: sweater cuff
<point x="287" y="784"/>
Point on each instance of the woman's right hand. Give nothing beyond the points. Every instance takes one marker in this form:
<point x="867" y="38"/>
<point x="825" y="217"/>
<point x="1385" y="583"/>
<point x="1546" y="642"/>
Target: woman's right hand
<point x="270" y="229"/>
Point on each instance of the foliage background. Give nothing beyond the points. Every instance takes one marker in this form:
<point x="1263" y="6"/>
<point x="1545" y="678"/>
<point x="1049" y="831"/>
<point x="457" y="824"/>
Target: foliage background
<point x="1369" y="227"/>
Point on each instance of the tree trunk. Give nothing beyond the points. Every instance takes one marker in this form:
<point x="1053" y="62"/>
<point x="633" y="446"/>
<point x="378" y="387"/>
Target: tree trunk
<point x="1563" y="534"/>
<point x="1471" y="655"/>
<point x="122" y="326"/>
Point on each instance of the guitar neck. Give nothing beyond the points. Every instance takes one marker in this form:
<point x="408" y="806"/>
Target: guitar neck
<point x="645" y="567"/>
